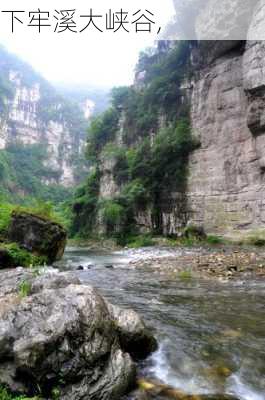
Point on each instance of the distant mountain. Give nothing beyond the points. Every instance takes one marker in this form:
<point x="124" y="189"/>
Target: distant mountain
<point x="42" y="132"/>
<point x="92" y="99"/>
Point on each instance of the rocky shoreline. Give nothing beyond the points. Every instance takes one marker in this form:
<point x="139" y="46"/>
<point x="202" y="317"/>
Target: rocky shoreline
<point x="219" y="263"/>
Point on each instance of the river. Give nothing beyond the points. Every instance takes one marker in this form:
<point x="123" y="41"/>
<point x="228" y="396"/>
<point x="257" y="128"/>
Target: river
<point x="211" y="334"/>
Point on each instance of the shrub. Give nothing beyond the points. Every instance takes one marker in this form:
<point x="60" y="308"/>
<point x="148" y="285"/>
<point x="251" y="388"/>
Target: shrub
<point x="212" y="239"/>
<point x="113" y="214"/>
<point x="84" y="205"/>
<point x="102" y="130"/>
<point x="151" y="165"/>
<point x="141" y="241"/>
<point x="22" y="257"/>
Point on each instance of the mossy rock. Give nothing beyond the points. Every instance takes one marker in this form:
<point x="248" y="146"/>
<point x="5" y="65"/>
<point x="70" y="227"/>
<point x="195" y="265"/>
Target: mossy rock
<point x="39" y="236"/>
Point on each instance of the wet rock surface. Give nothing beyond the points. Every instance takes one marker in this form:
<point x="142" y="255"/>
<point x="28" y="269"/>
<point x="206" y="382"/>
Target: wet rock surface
<point x="59" y="333"/>
<point x="134" y="337"/>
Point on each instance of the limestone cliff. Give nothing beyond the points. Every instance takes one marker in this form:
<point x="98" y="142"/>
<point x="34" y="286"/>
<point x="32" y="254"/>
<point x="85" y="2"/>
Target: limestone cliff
<point x="226" y="181"/>
<point x="150" y="174"/>
<point x="225" y="186"/>
<point x="32" y="112"/>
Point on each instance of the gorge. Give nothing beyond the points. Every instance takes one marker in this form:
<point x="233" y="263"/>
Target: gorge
<point x="132" y="236"/>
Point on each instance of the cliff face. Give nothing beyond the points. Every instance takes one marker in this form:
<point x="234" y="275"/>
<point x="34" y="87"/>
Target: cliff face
<point x="32" y="112"/>
<point x="226" y="182"/>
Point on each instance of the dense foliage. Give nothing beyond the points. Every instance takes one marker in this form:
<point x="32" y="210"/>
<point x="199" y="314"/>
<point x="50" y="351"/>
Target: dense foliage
<point x="147" y="135"/>
<point x="23" y="172"/>
<point x="85" y="205"/>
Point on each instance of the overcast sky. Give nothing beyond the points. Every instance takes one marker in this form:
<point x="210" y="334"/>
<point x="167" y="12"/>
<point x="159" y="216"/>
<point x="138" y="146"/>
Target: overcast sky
<point x="102" y="59"/>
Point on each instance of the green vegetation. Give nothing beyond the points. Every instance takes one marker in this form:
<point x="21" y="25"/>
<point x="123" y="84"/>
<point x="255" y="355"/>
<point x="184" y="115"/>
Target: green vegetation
<point x="185" y="275"/>
<point x="113" y="214"/>
<point x="145" y="165"/>
<point x="22" y="170"/>
<point x="140" y="241"/>
<point x="212" y="240"/>
<point x="5" y="395"/>
<point x="40" y="208"/>
<point x="84" y="206"/>
<point x="5" y="216"/>
<point x="56" y="394"/>
<point x="102" y="130"/>
<point x="24" y="288"/>
<point x="22" y="257"/>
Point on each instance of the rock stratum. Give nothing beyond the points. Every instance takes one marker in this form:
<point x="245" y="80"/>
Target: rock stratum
<point x="60" y="335"/>
<point x="226" y="175"/>
<point x="225" y="187"/>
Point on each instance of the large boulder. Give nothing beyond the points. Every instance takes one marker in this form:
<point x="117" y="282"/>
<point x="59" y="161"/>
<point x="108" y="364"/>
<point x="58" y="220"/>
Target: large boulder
<point x="38" y="235"/>
<point x="57" y="334"/>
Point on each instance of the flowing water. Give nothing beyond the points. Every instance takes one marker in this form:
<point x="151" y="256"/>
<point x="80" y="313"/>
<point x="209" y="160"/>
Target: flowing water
<point x="211" y="334"/>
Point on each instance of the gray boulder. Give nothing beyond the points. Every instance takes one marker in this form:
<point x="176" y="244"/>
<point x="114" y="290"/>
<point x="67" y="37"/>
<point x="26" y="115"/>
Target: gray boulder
<point x="62" y="335"/>
<point x="134" y="337"/>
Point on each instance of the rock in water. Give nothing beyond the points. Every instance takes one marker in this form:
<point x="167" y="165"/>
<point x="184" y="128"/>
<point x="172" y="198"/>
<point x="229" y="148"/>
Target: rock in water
<point x="38" y="235"/>
<point x="62" y="334"/>
<point x="151" y="390"/>
<point x="134" y="337"/>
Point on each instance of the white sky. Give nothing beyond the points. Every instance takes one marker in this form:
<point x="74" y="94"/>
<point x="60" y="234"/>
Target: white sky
<point x="101" y="59"/>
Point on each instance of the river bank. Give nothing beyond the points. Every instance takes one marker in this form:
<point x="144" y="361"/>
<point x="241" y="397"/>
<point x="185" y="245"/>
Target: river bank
<point x="210" y="331"/>
<point x="220" y="263"/>
<point x="227" y="261"/>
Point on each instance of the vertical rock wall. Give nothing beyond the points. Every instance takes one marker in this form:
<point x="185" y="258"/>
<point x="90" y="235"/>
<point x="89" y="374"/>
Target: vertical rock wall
<point x="227" y="181"/>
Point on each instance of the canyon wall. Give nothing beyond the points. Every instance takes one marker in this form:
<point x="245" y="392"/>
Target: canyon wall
<point x="32" y="112"/>
<point x="226" y="182"/>
<point x="226" y="174"/>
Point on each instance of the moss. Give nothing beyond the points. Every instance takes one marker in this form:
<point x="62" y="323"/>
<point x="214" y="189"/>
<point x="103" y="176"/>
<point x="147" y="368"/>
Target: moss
<point x="5" y="395"/>
<point x="22" y="257"/>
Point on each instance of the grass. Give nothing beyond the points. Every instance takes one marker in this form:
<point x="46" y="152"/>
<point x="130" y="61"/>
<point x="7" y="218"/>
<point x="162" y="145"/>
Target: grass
<point x="5" y="216"/>
<point x="140" y="241"/>
<point x="24" y="289"/>
<point x="185" y="275"/>
<point x="212" y="239"/>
